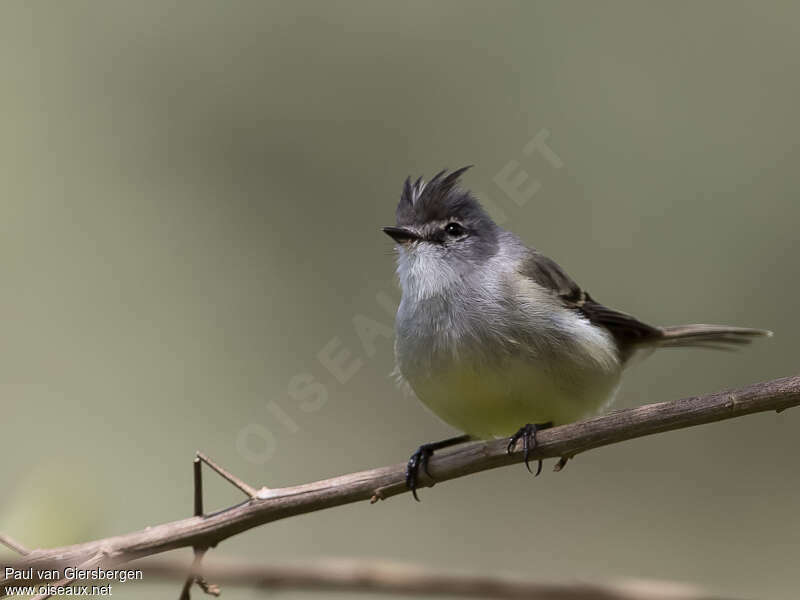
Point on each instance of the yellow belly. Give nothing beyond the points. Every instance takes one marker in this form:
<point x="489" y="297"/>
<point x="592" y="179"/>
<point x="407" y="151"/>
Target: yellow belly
<point x="488" y="402"/>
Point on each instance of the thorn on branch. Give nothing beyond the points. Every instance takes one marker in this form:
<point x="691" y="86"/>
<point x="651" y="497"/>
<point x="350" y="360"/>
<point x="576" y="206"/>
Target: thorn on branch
<point x="250" y="491"/>
<point x="197" y="467"/>
<point x="377" y="495"/>
<point x="562" y="462"/>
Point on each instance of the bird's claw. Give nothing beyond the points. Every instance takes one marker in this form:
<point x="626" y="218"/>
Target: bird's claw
<point x="527" y="434"/>
<point x="418" y="460"/>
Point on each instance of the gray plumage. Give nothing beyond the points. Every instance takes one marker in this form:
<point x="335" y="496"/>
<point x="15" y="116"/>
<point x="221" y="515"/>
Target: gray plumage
<point x="492" y="334"/>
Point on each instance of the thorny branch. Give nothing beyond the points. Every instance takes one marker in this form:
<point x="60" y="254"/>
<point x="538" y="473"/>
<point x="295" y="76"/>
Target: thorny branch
<point x="266" y="505"/>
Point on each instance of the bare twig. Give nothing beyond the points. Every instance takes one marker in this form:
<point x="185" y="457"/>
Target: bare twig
<point x="13" y="544"/>
<point x="567" y="440"/>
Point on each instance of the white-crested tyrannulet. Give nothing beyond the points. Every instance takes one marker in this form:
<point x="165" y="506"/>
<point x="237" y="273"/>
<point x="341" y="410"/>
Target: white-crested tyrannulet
<point x="492" y="335"/>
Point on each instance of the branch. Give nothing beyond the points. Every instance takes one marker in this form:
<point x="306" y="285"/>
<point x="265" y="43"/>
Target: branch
<point x="411" y="580"/>
<point x="387" y="577"/>
<point x="567" y="440"/>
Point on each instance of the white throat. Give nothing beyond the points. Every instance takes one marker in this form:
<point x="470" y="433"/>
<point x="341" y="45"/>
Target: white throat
<point x="424" y="273"/>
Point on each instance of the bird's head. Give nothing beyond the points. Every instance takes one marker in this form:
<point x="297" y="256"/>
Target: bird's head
<point x="442" y="224"/>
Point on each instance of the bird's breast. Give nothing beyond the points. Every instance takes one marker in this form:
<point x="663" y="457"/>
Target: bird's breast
<point x="495" y="400"/>
<point x="488" y="367"/>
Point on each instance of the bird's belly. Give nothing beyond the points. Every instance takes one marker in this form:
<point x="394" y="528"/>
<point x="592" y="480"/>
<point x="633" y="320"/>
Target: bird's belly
<point x="496" y="400"/>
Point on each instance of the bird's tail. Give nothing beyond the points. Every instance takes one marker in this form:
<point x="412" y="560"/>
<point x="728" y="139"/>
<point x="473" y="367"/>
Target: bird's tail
<point x="717" y="337"/>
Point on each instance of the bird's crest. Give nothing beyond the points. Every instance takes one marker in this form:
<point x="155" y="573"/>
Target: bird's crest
<point x="439" y="198"/>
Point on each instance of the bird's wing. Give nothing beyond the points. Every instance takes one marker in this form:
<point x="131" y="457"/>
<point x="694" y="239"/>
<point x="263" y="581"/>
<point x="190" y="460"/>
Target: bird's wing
<point x="627" y="330"/>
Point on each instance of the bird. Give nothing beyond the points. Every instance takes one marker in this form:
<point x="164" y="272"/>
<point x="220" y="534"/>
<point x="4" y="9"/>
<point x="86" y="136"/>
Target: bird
<point x="495" y="338"/>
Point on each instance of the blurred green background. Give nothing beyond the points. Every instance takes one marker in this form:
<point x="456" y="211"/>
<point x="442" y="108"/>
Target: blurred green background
<point x="190" y="202"/>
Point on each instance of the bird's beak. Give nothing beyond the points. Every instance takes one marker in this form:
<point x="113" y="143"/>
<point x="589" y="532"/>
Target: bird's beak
<point x="401" y="235"/>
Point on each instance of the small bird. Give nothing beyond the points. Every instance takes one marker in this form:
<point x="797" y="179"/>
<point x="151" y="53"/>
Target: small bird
<point x="494" y="337"/>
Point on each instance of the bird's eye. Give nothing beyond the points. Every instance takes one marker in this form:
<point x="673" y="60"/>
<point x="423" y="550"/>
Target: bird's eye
<point x="454" y="229"/>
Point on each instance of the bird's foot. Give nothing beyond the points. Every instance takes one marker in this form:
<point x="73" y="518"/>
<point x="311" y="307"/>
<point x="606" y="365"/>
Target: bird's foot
<point x="527" y="434"/>
<point x="419" y="460"/>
